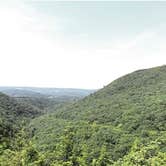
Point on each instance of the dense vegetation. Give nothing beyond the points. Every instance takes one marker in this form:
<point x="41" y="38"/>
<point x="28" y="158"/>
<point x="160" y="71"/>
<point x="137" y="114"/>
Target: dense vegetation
<point x="46" y="104"/>
<point x="12" y="112"/>
<point x="13" y="115"/>
<point x="122" y="124"/>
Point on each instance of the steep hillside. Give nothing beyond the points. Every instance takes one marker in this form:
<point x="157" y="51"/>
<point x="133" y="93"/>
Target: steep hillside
<point x="121" y="124"/>
<point x="135" y="101"/>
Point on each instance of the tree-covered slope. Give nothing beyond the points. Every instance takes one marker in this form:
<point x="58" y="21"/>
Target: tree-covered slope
<point x="134" y="102"/>
<point x="121" y="124"/>
<point x="12" y="113"/>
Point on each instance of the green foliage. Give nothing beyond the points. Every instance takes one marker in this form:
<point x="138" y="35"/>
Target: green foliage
<point x="122" y="124"/>
<point x="106" y="124"/>
<point x="47" y="104"/>
<point x="13" y="115"/>
<point x="150" y="154"/>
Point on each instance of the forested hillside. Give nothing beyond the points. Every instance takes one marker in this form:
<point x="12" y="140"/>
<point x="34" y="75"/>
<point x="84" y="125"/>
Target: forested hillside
<point x="13" y="115"/>
<point x="122" y="124"/>
<point x="135" y="102"/>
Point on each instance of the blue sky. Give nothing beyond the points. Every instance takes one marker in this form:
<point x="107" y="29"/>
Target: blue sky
<point x="79" y="44"/>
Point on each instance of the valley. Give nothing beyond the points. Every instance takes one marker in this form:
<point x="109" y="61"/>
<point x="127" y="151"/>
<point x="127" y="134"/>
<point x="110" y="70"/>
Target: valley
<point x="123" y="124"/>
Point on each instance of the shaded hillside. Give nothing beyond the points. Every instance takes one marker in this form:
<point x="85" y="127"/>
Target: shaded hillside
<point x="47" y="104"/>
<point x="121" y="124"/>
<point x="12" y="113"/>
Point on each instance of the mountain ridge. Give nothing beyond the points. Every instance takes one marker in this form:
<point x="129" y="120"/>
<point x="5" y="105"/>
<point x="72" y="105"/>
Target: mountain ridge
<point x="41" y="92"/>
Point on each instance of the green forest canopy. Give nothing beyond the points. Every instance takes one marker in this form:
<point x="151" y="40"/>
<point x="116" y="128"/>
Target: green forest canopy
<point x="121" y="124"/>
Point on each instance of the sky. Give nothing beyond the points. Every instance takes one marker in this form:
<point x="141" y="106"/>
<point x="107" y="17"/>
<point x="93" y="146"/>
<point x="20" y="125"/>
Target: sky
<point x="78" y="44"/>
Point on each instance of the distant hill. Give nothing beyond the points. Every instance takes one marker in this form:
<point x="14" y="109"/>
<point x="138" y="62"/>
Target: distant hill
<point x="45" y="92"/>
<point x="121" y="124"/>
<point x="46" y="99"/>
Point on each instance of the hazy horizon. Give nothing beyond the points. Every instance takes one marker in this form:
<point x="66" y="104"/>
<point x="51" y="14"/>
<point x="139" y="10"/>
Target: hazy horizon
<point x="83" y="45"/>
<point x="26" y="87"/>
